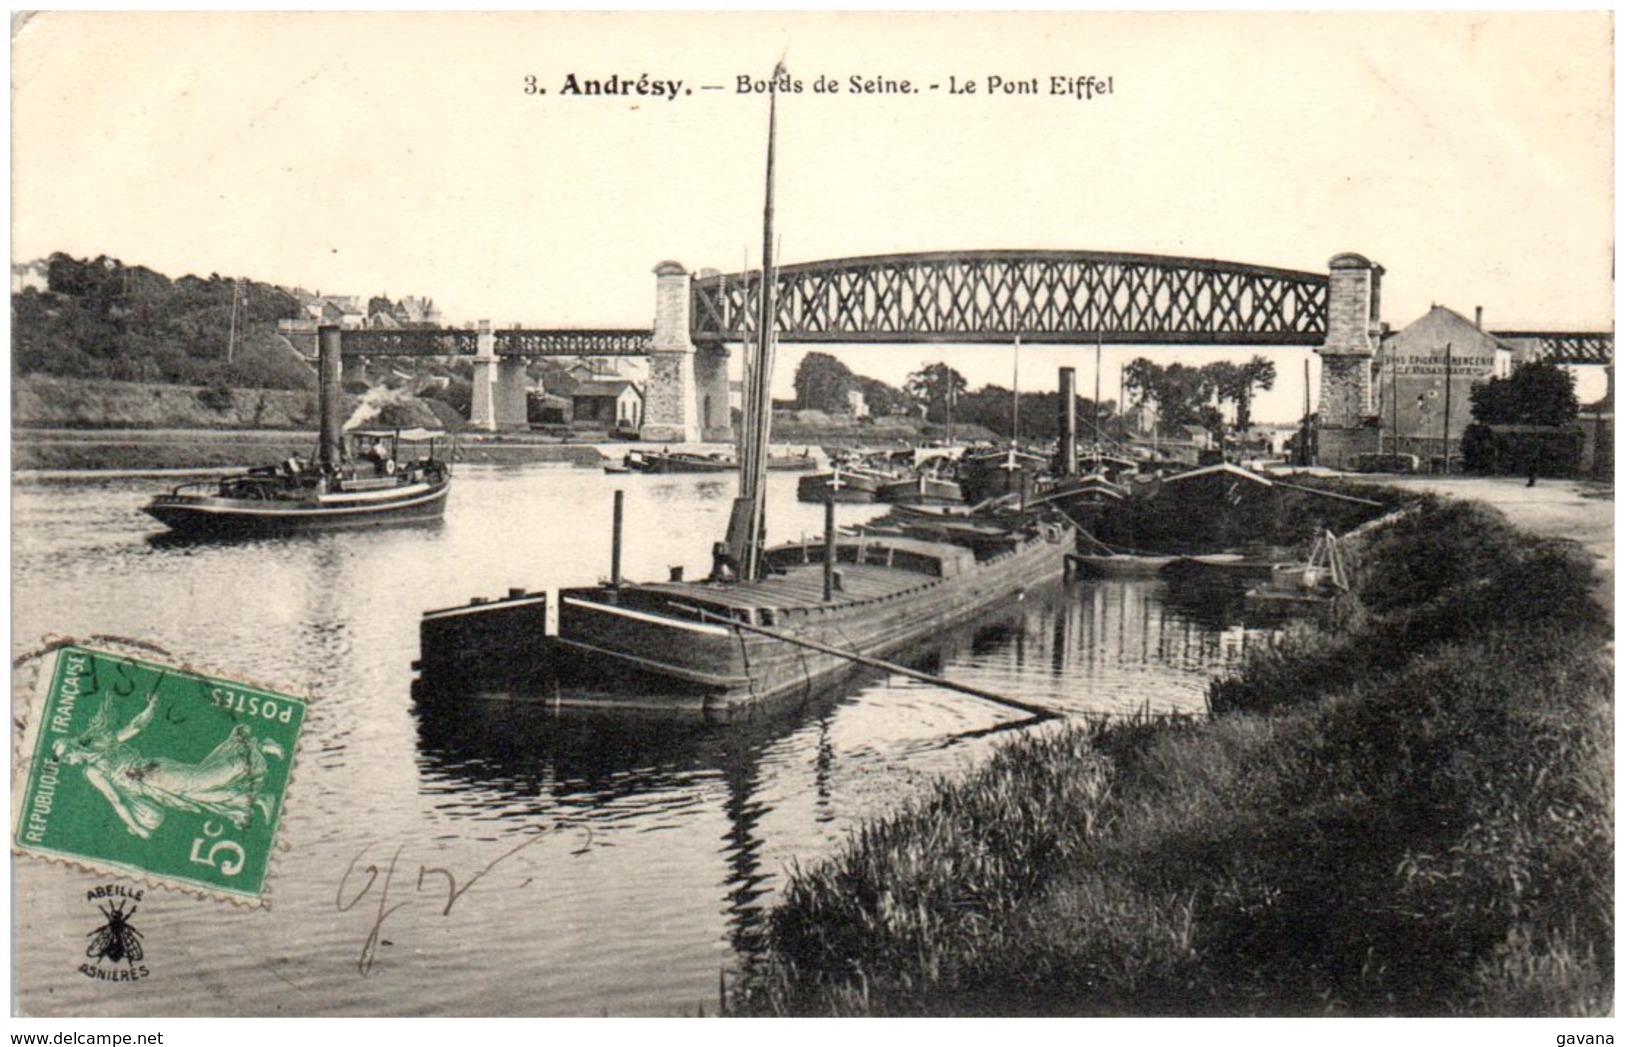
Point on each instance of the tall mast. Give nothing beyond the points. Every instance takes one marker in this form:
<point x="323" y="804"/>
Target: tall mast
<point x="1015" y="395"/>
<point x="1094" y="411"/>
<point x="747" y="525"/>
<point x="231" y="339"/>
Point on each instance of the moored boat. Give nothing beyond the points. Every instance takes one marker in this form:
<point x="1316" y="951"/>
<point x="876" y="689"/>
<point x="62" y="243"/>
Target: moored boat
<point x="374" y="481"/>
<point x="923" y="488"/>
<point x="1224" y="565"/>
<point x="1119" y="565"/>
<point x="719" y="648"/>
<point x="990" y="474"/>
<point x="678" y="462"/>
<point x="843" y="483"/>
<point x="804" y="461"/>
<point x="697" y="462"/>
<point x="767" y="623"/>
<point x="481" y="628"/>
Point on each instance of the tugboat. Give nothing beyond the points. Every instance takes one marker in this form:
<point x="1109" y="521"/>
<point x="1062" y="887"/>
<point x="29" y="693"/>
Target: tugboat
<point x="374" y="481"/>
<point x="767" y="624"/>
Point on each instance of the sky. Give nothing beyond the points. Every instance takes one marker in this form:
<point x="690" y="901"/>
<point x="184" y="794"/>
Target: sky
<point x="1470" y="154"/>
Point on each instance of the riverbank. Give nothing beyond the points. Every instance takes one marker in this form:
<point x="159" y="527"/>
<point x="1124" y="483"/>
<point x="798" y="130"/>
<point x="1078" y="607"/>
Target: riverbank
<point x="1581" y="511"/>
<point x="125" y="450"/>
<point x="1409" y="814"/>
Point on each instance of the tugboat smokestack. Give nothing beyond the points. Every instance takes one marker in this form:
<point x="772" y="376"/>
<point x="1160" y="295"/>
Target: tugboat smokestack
<point x="330" y="376"/>
<point x="1068" y="462"/>
<point x="829" y="549"/>
<point x="615" y="541"/>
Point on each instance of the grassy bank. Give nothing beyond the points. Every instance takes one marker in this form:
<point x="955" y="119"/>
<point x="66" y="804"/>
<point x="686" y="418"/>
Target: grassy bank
<point x="1410" y="814"/>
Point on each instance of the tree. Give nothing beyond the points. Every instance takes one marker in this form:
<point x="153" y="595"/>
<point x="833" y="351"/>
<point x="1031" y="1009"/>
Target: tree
<point x="1221" y="384"/>
<point x="938" y="387"/>
<point x="1257" y="373"/>
<point x="822" y="383"/>
<point x="1537" y="393"/>
<point x="1186" y="395"/>
<point x="882" y="399"/>
<point x="1178" y="390"/>
<point x="1182" y="392"/>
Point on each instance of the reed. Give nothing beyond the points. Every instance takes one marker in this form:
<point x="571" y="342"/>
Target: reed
<point x="1411" y="814"/>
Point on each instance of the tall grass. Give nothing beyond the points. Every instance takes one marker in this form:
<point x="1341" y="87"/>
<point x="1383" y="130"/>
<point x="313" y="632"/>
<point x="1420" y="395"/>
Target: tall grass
<point x="1409" y="815"/>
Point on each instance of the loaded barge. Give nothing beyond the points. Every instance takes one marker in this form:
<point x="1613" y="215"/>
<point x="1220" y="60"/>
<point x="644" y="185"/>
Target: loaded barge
<point x="766" y="624"/>
<point x="718" y="647"/>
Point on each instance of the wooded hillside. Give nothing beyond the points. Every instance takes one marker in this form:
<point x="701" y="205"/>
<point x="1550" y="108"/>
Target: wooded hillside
<point x="102" y="319"/>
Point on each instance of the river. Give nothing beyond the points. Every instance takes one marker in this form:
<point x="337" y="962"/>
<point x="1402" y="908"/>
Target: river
<point x="500" y="860"/>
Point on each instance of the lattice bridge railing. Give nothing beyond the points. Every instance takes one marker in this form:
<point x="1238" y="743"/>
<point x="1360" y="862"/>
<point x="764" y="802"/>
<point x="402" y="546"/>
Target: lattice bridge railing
<point x="514" y="342"/>
<point x="1072" y="297"/>
<point x="1567" y="347"/>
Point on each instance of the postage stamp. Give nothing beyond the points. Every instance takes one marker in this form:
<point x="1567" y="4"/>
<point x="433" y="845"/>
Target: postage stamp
<point x="157" y="773"/>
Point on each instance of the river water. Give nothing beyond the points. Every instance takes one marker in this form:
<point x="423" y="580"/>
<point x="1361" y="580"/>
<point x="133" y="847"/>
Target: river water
<point x="498" y="860"/>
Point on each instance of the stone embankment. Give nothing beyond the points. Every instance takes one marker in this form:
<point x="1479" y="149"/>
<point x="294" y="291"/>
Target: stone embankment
<point x="138" y="450"/>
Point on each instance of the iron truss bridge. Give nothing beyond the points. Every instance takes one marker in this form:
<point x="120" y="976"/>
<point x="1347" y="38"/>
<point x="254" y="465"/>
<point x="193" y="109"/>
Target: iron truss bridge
<point x="1567" y="347"/>
<point x="509" y="343"/>
<point x="1071" y="297"/>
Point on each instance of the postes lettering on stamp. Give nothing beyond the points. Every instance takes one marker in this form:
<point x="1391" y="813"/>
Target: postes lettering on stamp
<point x="157" y="772"/>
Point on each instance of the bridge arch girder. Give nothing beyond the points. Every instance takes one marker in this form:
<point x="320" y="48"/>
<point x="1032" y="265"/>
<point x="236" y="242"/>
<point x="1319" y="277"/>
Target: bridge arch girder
<point x="1042" y="296"/>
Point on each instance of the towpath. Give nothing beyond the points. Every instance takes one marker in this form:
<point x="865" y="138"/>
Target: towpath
<point x="1577" y="510"/>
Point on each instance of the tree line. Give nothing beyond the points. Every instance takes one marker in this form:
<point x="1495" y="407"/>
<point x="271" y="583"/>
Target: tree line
<point x="99" y="318"/>
<point x="1182" y="395"/>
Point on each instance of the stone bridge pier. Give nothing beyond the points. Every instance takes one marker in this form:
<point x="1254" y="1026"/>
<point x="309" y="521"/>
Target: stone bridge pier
<point x="1353" y="335"/>
<point x="686" y="397"/>
<point x="499" y="387"/>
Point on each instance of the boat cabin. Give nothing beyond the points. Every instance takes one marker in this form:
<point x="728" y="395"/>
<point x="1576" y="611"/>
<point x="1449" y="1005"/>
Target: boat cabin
<point x="385" y="456"/>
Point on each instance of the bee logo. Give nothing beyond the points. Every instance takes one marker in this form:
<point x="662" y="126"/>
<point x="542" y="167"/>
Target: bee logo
<point x="116" y="942"/>
<point x="117" y="939"/>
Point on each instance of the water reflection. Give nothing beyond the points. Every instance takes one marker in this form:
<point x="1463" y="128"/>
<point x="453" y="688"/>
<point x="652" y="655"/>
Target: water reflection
<point x="669" y="838"/>
<point x="1098" y="648"/>
<point x="177" y="540"/>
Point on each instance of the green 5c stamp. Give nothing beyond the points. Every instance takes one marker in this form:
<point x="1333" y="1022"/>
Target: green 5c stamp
<point x="157" y="773"/>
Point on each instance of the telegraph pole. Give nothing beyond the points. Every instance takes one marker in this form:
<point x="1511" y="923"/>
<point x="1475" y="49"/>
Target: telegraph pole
<point x="1446" y="430"/>
<point x="1393" y="385"/>
<point x="1303" y="436"/>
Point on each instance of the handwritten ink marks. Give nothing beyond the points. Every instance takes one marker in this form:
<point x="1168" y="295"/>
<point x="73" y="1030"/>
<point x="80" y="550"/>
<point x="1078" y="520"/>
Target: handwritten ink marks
<point x="436" y="883"/>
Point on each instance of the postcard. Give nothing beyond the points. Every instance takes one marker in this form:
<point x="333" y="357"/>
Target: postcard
<point x="568" y="514"/>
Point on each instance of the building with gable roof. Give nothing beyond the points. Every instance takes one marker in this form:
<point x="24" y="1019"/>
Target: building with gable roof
<point x="1427" y="368"/>
<point x="616" y="404"/>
